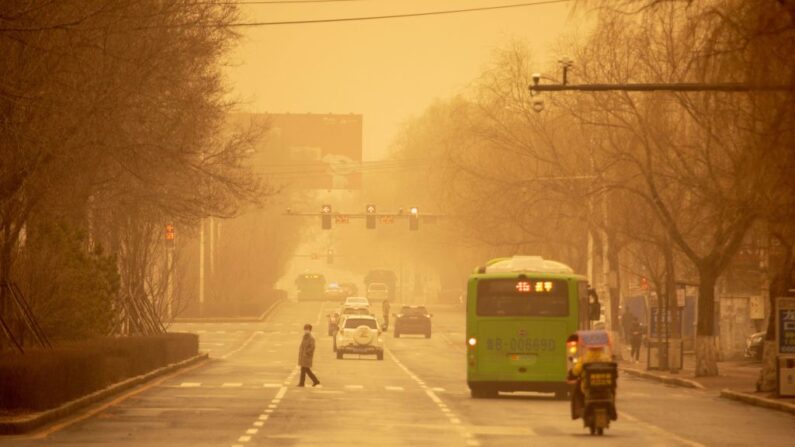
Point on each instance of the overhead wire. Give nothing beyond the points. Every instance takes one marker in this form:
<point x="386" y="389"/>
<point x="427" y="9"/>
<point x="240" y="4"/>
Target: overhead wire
<point x="367" y="18"/>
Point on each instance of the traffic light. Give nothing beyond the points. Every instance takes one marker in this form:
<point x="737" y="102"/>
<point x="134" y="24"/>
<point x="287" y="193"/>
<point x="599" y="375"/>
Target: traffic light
<point x="370" y="209"/>
<point x="330" y="256"/>
<point x="325" y="217"/>
<point x="414" y="218"/>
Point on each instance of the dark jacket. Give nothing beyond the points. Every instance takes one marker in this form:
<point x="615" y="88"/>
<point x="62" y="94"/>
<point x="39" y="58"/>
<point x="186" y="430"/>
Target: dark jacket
<point x="306" y="351"/>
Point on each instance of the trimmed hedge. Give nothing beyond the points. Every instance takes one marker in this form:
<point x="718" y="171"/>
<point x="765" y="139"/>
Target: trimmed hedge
<point x="40" y="380"/>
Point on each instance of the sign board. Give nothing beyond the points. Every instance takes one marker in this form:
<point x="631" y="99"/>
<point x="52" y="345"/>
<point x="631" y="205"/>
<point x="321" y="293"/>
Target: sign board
<point x="785" y="319"/>
<point x="307" y="150"/>
<point x="658" y="327"/>
<point x="680" y="297"/>
<point x="756" y="307"/>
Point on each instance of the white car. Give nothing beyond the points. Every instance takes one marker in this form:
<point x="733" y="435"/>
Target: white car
<point x="377" y="291"/>
<point x="356" y="301"/>
<point x="359" y="334"/>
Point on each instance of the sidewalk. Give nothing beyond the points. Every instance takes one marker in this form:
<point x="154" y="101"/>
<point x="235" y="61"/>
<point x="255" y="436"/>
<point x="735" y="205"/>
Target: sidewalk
<point x="736" y="380"/>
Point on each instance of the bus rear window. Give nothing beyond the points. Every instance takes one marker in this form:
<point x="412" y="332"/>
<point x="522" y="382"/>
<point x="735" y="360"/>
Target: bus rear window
<point x="522" y="298"/>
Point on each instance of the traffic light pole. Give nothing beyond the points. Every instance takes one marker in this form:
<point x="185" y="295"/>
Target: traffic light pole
<point x="662" y="87"/>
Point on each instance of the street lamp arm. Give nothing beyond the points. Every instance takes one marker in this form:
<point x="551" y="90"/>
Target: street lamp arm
<point x="670" y="87"/>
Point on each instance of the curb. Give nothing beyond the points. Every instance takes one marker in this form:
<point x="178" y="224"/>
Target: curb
<point x="23" y="424"/>
<point x="758" y="401"/>
<point x="669" y="380"/>
<point x="260" y="318"/>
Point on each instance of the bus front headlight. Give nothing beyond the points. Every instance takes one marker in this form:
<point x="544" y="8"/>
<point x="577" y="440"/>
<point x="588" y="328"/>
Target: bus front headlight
<point x="472" y="341"/>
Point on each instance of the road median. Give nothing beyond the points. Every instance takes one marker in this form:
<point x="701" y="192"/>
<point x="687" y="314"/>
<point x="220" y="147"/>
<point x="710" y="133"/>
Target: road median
<point x="24" y="423"/>
<point x="251" y="319"/>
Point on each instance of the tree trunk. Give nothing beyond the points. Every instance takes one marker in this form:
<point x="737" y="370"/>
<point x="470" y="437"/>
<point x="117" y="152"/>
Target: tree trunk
<point x="706" y="356"/>
<point x="780" y="284"/>
<point x="706" y="343"/>
<point x="767" y="375"/>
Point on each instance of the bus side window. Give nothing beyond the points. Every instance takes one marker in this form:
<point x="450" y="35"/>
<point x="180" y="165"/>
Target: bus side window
<point x="584" y="306"/>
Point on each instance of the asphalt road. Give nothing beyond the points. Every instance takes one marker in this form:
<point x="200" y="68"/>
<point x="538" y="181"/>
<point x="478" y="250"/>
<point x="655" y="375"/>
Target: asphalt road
<point x="417" y="396"/>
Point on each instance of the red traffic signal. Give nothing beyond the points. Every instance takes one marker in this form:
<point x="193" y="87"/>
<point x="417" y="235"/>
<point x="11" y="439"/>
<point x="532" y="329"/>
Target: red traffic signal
<point x="170" y="232"/>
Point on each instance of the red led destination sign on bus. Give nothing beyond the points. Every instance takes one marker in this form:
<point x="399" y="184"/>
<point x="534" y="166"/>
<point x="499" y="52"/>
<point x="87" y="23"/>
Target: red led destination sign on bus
<point x="530" y="286"/>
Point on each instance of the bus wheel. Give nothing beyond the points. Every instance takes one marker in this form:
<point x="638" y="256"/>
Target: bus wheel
<point x="483" y="393"/>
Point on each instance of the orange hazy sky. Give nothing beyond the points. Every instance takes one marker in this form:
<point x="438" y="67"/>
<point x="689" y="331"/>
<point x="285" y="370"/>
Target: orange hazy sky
<point x="386" y="70"/>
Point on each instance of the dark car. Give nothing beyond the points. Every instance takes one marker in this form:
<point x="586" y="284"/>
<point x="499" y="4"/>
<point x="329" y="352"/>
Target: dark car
<point x="753" y="346"/>
<point x="350" y="289"/>
<point x="413" y="320"/>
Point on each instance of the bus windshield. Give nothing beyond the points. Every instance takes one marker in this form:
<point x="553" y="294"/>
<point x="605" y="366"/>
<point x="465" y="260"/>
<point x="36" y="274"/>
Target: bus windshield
<point x="522" y="298"/>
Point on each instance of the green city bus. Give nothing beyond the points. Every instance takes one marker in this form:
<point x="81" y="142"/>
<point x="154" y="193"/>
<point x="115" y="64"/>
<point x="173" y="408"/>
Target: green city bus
<point x="520" y="311"/>
<point x="311" y="286"/>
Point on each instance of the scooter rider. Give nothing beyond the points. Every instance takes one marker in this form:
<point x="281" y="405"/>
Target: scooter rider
<point x="593" y="354"/>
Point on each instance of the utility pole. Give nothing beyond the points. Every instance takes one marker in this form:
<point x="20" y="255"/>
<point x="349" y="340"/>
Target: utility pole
<point x="212" y="245"/>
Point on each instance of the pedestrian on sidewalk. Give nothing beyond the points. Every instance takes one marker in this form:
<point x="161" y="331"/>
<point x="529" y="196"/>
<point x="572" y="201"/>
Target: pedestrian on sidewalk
<point x="305" y="354"/>
<point x="635" y="340"/>
<point x="627" y="321"/>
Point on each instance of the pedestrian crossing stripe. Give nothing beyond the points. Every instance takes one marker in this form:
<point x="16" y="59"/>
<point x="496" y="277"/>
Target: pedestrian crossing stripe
<point x="283" y="386"/>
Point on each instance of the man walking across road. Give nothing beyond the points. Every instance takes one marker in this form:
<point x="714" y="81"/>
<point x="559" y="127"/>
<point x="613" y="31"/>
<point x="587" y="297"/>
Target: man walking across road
<point x="305" y="354"/>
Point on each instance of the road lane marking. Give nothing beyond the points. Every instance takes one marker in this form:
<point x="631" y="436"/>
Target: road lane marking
<point x="439" y="403"/>
<point x="433" y="397"/>
<point x="354" y="387"/>
<point x="394" y="388"/>
<point x="439" y="389"/>
<point x="279" y="395"/>
<point x="231" y="385"/>
<point x="190" y="384"/>
<point x="241" y="347"/>
<point x="662" y="431"/>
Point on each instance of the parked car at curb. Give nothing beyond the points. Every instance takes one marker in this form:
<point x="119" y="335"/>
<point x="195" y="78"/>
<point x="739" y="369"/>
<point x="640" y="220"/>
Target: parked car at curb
<point x="413" y="320"/>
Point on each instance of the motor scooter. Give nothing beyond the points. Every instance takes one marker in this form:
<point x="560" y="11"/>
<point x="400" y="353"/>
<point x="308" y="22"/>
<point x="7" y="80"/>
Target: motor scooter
<point x="594" y="376"/>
